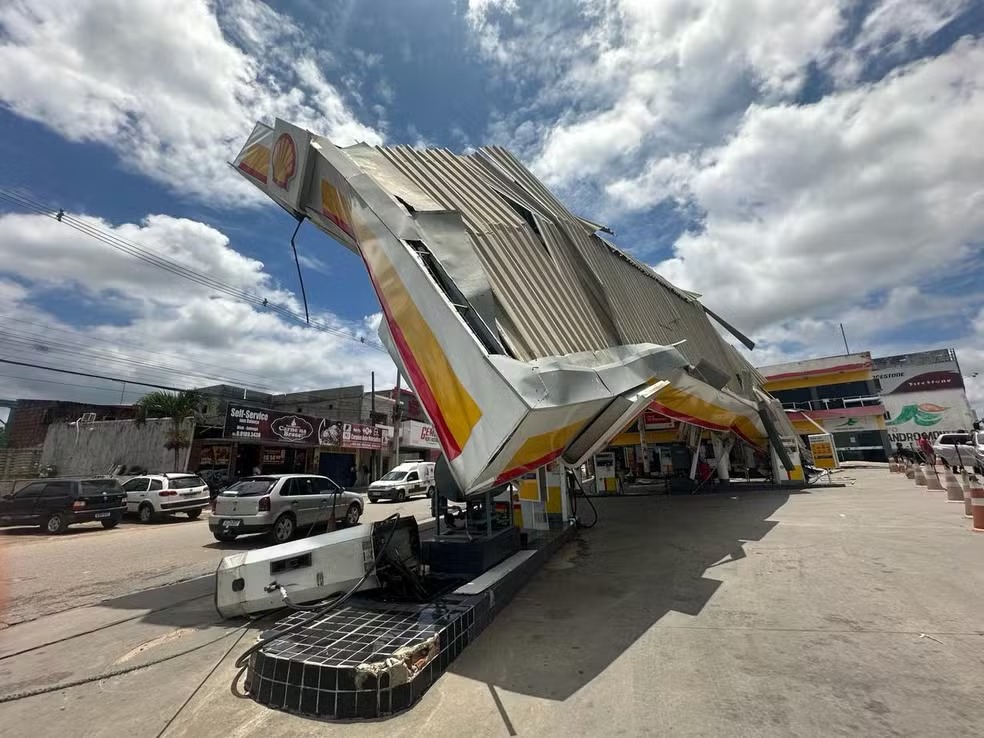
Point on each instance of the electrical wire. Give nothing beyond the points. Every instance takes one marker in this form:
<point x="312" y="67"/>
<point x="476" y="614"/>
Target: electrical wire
<point x="243" y="660"/>
<point x="93" y="376"/>
<point x="27" y="340"/>
<point x="117" y="342"/>
<point x="172" y="265"/>
<point x="572" y="496"/>
<point x="201" y="684"/>
<point x="15" y="696"/>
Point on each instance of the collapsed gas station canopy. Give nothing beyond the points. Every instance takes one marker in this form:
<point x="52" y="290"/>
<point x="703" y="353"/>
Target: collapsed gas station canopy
<point x="526" y="335"/>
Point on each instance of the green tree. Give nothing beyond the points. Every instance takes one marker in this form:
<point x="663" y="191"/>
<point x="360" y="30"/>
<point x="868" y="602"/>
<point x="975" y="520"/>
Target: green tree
<point x="179" y="407"/>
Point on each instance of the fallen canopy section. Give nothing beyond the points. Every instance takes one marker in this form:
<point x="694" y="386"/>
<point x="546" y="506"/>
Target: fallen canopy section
<point x="525" y="335"/>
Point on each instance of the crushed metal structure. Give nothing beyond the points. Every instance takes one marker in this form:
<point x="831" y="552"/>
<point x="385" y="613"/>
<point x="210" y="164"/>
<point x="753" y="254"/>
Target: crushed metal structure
<point x="526" y="334"/>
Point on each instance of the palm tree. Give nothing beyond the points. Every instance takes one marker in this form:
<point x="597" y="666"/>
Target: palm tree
<point x="178" y="406"/>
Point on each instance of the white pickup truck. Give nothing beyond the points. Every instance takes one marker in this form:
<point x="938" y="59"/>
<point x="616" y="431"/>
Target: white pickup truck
<point x="961" y="450"/>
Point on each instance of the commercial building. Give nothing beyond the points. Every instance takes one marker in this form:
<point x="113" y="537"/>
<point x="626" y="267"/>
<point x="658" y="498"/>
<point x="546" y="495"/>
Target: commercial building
<point x="838" y="395"/>
<point x="924" y="395"/>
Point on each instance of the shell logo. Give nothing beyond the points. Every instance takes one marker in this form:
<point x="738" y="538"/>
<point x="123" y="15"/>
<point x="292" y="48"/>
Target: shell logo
<point x="284" y="160"/>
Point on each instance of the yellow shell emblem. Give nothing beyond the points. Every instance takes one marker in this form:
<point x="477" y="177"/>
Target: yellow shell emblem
<point x="284" y="160"/>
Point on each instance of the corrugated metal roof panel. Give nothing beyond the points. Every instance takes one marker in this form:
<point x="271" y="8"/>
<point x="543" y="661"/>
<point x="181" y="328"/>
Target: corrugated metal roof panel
<point x="559" y="286"/>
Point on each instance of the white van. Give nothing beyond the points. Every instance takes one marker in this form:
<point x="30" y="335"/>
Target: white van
<point x="404" y="481"/>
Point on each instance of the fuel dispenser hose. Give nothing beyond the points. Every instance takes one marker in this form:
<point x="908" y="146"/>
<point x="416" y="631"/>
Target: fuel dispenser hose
<point x="572" y="495"/>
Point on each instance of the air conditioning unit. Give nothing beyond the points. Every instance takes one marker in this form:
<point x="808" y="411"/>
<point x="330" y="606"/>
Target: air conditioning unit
<point x="88" y="417"/>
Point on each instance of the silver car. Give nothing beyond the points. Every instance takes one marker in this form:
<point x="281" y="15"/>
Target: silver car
<point x="280" y="505"/>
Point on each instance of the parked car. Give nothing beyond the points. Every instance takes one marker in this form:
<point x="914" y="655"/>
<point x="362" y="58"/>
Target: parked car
<point x="153" y="495"/>
<point x="404" y="481"/>
<point x="280" y="505"/>
<point x="956" y="449"/>
<point x="55" y="504"/>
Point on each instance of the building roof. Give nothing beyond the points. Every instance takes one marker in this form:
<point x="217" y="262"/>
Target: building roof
<point x="541" y="277"/>
<point x="822" y="365"/>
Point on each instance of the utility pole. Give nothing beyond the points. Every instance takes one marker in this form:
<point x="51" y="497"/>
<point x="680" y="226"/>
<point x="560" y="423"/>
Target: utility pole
<point x="373" y="471"/>
<point x="396" y="422"/>
<point x="844" y="336"/>
<point x="122" y="392"/>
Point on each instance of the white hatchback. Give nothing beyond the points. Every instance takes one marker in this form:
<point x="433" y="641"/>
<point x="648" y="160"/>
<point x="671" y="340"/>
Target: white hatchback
<point x="152" y="495"/>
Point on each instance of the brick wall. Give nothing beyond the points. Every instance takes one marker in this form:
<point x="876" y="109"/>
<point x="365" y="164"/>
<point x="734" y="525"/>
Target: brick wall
<point x="29" y="419"/>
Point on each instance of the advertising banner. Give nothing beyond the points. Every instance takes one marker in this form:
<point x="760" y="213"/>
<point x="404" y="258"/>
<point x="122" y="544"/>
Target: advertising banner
<point x="854" y="423"/>
<point x="655" y="421"/>
<point x="926" y="415"/>
<point x="822" y="449"/>
<point x="919" y="377"/>
<point x="257" y="424"/>
<point x="414" y="434"/>
<point x="350" y="435"/>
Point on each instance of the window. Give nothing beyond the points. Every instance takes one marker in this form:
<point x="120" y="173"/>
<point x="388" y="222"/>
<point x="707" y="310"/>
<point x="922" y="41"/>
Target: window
<point x="393" y="476"/>
<point x="156" y="484"/>
<point x="100" y="486"/>
<point x="413" y="477"/>
<point x="324" y="486"/>
<point x="251" y="487"/>
<point x="301" y="486"/>
<point x="59" y="489"/>
<point x="185" y="483"/>
<point x="30" y="491"/>
<point x="136" y="485"/>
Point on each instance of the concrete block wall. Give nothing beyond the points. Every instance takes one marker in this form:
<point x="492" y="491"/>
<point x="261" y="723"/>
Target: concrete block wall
<point x="96" y="448"/>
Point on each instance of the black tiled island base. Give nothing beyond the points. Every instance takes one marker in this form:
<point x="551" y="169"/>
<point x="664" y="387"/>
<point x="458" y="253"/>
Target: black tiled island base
<point x="370" y="658"/>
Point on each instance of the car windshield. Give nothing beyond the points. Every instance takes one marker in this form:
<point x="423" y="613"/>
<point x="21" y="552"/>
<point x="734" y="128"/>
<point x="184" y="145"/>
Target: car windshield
<point x="950" y="440"/>
<point x="251" y="487"/>
<point x="99" y="486"/>
<point x="393" y="476"/>
<point x="185" y="482"/>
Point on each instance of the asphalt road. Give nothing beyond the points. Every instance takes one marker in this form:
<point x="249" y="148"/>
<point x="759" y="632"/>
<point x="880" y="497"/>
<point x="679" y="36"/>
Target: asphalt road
<point x="42" y="574"/>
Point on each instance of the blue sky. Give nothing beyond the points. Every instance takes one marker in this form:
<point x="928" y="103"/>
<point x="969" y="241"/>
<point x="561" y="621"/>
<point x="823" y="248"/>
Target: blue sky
<point x="800" y="164"/>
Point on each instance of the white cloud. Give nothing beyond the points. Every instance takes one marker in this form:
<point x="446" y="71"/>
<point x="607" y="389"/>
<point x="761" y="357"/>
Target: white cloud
<point x="811" y="207"/>
<point x="891" y="28"/>
<point x="158" y="319"/>
<point x="163" y="84"/>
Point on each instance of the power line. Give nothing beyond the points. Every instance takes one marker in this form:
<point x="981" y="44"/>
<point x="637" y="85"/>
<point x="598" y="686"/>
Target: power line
<point x="93" y="376"/>
<point x="64" y="384"/>
<point x="173" y="266"/>
<point x="35" y="341"/>
<point x="118" y="342"/>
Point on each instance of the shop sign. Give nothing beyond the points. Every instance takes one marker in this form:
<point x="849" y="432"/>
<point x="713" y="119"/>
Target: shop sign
<point x="655" y="421"/>
<point x="355" y="435"/>
<point x="350" y="435"/>
<point x="855" y="423"/>
<point x="215" y="456"/>
<point x="905" y="377"/>
<point x="274" y="455"/>
<point x="258" y="424"/>
<point x="414" y="434"/>
<point x="822" y="448"/>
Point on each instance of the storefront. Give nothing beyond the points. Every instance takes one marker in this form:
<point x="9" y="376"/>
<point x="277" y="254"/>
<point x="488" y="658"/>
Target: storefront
<point x="418" y="442"/>
<point x="347" y="451"/>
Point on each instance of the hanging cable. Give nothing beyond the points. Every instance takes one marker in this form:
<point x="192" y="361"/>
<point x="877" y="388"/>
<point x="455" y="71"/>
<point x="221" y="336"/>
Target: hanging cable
<point x="297" y="263"/>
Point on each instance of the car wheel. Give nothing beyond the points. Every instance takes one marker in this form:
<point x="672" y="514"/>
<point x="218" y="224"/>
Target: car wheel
<point x="373" y="500"/>
<point x="430" y="492"/>
<point x="283" y="529"/>
<point x="146" y="513"/>
<point x="222" y="536"/>
<point x="401" y="496"/>
<point x="112" y="523"/>
<point x="193" y="514"/>
<point x="352" y="514"/>
<point x="55" y="524"/>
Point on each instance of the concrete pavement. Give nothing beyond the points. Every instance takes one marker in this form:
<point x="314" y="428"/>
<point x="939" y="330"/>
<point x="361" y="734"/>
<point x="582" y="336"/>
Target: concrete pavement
<point x="45" y="574"/>
<point x="852" y="611"/>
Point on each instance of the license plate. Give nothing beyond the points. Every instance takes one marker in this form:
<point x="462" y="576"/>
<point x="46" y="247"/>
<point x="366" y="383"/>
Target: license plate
<point x="231" y="523"/>
<point x="102" y="515"/>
